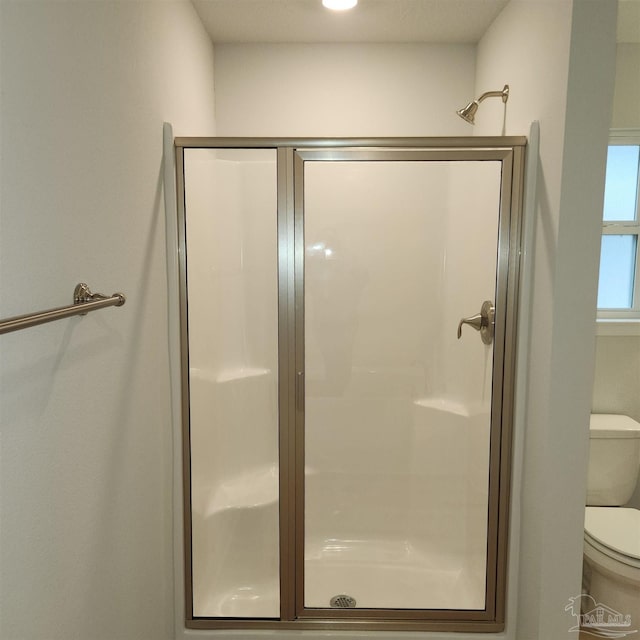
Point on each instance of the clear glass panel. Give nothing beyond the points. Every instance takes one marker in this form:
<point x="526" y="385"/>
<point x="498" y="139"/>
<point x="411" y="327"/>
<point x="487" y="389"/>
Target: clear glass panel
<point x="617" y="271"/>
<point x="231" y="234"/>
<point x="621" y="185"/>
<point x="397" y="409"/>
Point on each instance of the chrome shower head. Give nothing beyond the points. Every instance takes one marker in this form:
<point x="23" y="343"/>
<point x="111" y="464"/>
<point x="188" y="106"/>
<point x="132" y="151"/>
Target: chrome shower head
<point x="468" y="113"/>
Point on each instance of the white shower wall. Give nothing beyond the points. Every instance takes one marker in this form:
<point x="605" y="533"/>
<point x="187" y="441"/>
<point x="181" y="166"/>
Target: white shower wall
<point x="434" y="224"/>
<point x="232" y="253"/>
<point x="397" y="409"/>
<point x="233" y="371"/>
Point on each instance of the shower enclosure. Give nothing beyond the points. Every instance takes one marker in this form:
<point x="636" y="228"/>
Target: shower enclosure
<point x="348" y="315"/>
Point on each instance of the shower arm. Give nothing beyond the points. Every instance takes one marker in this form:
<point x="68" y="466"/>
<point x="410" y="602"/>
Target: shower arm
<point x="504" y="94"/>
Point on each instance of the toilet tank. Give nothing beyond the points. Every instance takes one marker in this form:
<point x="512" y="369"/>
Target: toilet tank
<point x="614" y="459"/>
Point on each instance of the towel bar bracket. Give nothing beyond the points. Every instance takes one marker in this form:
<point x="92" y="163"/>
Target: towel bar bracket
<point x="83" y="302"/>
<point x="82" y="294"/>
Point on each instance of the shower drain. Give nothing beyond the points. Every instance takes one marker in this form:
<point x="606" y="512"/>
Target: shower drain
<point x="342" y="601"/>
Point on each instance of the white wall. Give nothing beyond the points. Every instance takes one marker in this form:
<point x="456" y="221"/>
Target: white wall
<point x="528" y="47"/>
<point x="626" y="103"/>
<point x="84" y="449"/>
<point x="617" y="370"/>
<point x="85" y="440"/>
<point x="342" y="90"/>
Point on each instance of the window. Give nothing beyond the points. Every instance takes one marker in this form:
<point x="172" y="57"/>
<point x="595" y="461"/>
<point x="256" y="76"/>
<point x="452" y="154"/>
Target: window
<point x="619" y="283"/>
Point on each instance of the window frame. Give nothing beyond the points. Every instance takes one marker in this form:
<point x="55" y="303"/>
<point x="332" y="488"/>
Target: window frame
<point x="621" y="137"/>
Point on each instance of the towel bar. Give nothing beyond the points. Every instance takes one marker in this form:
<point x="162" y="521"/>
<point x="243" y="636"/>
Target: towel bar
<point x="83" y="302"/>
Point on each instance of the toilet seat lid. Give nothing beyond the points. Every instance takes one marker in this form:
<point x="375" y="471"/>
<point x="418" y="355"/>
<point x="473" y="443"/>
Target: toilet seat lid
<point x="616" y="528"/>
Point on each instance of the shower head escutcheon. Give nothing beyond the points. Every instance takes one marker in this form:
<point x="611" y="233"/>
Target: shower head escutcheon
<point x="468" y="113"/>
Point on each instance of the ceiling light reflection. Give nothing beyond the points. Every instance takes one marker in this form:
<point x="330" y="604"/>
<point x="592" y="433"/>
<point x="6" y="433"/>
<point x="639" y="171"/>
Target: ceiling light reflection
<point x="339" y="5"/>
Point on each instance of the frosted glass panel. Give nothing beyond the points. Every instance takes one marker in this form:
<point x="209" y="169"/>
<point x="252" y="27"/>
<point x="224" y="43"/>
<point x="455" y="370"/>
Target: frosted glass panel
<point x="621" y="186"/>
<point x="397" y="409"/>
<point x="231" y="236"/>
<point x="617" y="267"/>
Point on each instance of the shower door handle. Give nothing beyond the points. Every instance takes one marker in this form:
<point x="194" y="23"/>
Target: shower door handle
<point x="484" y="322"/>
<point x="300" y="391"/>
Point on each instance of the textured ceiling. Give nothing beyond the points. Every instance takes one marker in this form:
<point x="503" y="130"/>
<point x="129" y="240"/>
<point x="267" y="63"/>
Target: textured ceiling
<point x="371" y="21"/>
<point x="453" y="21"/>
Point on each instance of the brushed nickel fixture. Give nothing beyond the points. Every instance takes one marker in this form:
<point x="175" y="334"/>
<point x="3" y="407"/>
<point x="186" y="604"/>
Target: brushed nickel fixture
<point x="83" y="302"/>
<point x="468" y="113"/>
<point x="342" y="601"/>
<point x="484" y="322"/>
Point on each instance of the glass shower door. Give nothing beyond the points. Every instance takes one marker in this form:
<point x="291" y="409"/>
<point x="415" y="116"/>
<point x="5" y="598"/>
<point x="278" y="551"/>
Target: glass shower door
<point x="398" y="424"/>
<point x="347" y="316"/>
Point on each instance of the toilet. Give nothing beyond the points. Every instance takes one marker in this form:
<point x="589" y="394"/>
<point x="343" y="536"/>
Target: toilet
<point x="612" y="531"/>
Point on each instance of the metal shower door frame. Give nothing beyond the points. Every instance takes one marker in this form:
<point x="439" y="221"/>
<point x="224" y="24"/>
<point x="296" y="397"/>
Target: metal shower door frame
<point x="291" y="157"/>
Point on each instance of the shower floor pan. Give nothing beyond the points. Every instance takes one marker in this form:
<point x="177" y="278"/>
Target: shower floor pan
<point x="389" y="574"/>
